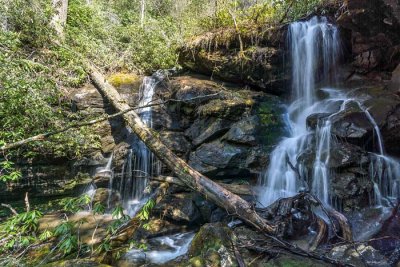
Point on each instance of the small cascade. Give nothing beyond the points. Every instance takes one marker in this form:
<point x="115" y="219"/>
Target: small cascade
<point x="162" y="249"/>
<point x="312" y="43"/>
<point x="105" y="171"/>
<point x="320" y="180"/>
<point x="140" y="163"/>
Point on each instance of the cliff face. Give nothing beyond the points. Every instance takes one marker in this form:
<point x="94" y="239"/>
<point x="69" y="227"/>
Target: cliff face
<point x="261" y="63"/>
<point x="375" y="35"/>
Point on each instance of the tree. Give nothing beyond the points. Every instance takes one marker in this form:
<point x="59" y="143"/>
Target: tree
<point x="59" y="19"/>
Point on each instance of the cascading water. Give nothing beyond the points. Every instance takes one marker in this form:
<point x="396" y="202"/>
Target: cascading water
<point x="312" y="43"/>
<point x="140" y="163"/>
<point x="315" y="48"/>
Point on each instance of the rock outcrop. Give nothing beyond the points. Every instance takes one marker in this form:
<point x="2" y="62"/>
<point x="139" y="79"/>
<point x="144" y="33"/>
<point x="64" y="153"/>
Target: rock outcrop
<point x="375" y="36"/>
<point x="260" y="65"/>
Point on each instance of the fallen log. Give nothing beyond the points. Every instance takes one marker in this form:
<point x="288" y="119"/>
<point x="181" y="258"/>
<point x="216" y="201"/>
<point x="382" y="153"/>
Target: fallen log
<point x="242" y="189"/>
<point x="212" y="191"/>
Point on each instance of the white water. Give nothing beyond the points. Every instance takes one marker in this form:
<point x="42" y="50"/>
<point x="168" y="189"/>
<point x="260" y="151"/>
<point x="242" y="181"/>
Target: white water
<point x="164" y="249"/>
<point x="312" y="43"/>
<point x="140" y="163"/>
<point x="315" y="47"/>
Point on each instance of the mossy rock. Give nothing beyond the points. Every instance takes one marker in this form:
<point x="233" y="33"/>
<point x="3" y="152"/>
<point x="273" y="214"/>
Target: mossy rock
<point x="211" y="246"/>
<point x="229" y="108"/>
<point x="269" y="112"/>
<point x="123" y="79"/>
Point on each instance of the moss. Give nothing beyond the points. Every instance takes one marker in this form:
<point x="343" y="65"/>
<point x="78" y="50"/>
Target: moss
<point x="225" y="108"/>
<point x="120" y="79"/>
<point x="197" y="262"/>
<point x="271" y="123"/>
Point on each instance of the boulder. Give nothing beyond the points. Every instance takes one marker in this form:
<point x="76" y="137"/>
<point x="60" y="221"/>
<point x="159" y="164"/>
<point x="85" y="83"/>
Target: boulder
<point x="352" y="190"/>
<point x="212" y="246"/>
<point x="106" y="197"/>
<point x="207" y="129"/>
<point x="178" y="207"/>
<point x="260" y="66"/>
<point x="351" y="124"/>
<point x="220" y="158"/>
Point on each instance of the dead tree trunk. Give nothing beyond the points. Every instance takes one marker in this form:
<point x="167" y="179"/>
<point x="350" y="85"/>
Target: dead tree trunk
<point x="212" y="191"/>
<point x="60" y="16"/>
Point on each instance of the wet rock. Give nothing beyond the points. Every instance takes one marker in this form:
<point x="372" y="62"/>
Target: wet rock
<point x="394" y="84"/>
<point x="352" y="190"/>
<point x="106" y="197"/>
<point x="342" y="155"/>
<point x="345" y="155"/>
<point x="387" y="240"/>
<point x="212" y="246"/>
<point x="179" y="207"/>
<point x="390" y="132"/>
<point x="351" y="124"/>
<point x="359" y="256"/>
<point x="313" y="120"/>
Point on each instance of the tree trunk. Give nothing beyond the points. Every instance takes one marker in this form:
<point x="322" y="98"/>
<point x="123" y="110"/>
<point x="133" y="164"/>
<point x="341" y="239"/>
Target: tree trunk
<point x="242" y="189"/>
<point x="212" y="191"/>
<point x="142" y="12"/>
<point x="59" y="19"/>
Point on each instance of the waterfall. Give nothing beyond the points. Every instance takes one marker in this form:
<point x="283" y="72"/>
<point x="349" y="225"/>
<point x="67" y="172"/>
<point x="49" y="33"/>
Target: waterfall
<point x="140" y="163"/>
<point x="314" y="47"/>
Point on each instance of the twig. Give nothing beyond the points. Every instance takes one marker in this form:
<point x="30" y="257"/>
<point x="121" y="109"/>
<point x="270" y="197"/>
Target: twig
<point x="10" y="208"/>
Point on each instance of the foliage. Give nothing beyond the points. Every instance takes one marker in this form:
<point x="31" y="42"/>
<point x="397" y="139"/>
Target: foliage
<point x="31" y="103"/>
<point x="145" y="211"/>
<point x="31" y="19"/>
<point x="68" y="240"/>
<point x="20" y="230"/>
<point x="75" y="204"/>
<point x="7" y="172"/>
